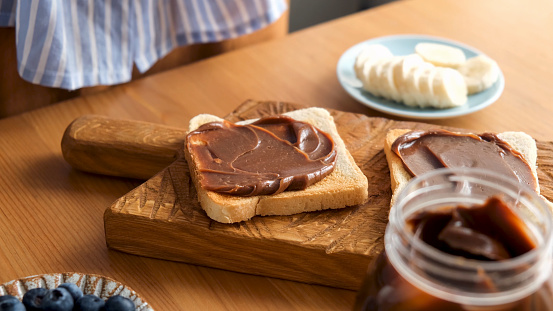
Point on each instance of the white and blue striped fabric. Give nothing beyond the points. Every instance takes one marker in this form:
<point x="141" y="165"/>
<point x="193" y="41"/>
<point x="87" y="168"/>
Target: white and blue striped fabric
<point x="71" y="44"/>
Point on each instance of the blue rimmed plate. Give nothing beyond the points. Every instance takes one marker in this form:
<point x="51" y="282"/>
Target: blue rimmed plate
<point x="403" y="45"/>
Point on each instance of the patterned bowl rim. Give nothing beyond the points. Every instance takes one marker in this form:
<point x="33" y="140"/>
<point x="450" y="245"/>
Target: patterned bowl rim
<point x="99" y="285"/>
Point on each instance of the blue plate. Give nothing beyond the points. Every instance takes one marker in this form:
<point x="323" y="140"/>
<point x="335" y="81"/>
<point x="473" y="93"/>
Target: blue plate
<point x="403" y="45"/>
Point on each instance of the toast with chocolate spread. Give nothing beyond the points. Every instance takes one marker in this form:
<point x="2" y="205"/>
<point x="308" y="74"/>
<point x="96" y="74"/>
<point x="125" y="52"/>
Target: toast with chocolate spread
<point x="520" y="143"/>
<point x="335" y="181"/>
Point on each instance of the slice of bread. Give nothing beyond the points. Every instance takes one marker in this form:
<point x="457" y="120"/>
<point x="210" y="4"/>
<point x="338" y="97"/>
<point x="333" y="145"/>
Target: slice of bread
<point x="521" y="142"/>
<point x="345" y="186"/>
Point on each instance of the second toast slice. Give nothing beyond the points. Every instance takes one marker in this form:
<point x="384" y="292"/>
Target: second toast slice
<point x="519" y="141"/>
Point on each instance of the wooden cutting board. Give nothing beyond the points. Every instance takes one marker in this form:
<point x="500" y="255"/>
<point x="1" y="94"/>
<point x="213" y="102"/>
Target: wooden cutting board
<point x="162" y="218"/>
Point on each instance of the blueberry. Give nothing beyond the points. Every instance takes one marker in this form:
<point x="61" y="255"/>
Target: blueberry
<point x="119" y="303"/>
<point x="89" y="303"/>
<point x="58" y="299"/>
<point x="7" y="297"/>
<point x="33" y="298"/>
<point x="73" y="289"/>
<point x="10" y="303"/>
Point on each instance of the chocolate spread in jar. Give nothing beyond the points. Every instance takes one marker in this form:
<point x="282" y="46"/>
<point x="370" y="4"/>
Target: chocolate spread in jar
<point x="268" y="156"/>
<point x="489" y="232"/>
<point x="423" y="151"/>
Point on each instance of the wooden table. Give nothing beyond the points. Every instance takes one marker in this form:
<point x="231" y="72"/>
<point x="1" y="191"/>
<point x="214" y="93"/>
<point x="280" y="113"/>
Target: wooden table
<point x="51" y="215"/>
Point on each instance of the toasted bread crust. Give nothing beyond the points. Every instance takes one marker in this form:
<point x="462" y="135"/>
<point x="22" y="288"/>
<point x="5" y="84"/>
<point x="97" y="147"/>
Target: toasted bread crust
<point x="345" y="186"/>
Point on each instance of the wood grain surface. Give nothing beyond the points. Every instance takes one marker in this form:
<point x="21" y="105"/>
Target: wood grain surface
<point x="51" y="215"/>
<point x="330" y="247"/>
<point x="124" y="148"/>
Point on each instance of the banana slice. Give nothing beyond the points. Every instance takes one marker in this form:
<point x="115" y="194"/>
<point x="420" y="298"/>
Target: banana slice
<point x="402" y="69"/>
<point x="440" y="54"/>
<point x="410" y="88"/>
<point x="371" y="77"/>
<point x="449" y="88"/>
<point x="480" y="72"/>
<point x="370" y="53"/>
<point x="412" y="95"/>
<point x="426" y="97"/>
<point x="366" y="76"/>
<point x="388" y="80"/>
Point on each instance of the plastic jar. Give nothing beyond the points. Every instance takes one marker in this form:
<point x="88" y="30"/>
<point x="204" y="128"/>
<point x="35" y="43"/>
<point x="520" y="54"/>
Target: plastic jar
<point x="410" y="275"/>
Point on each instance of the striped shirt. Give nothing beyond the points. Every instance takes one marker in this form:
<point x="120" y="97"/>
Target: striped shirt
<point x="71" y="44"/>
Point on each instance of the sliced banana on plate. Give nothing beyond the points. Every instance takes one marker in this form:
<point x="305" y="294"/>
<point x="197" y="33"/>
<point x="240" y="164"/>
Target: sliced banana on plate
<point x="436" y="75"/>
<point x="440" y="54"/>
<point x="388" y="80"/>
<point x="449" y="88"/>
<point x="403" y="68"/>
<point x="480" y="72"/>
<point x="426" y="97"/>
<point x="412" y="95"/>
<point x="370" y="54"/>
<point x="372" y="72"/>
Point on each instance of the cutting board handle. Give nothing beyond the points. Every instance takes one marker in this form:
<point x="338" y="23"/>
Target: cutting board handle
<point x="125" y="148"/>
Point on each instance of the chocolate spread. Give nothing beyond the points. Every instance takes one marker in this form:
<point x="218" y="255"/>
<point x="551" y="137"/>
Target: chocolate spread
<point x="422" y="151"/>
<point x="268" y="156"/>
<point x="491" y="231"/>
